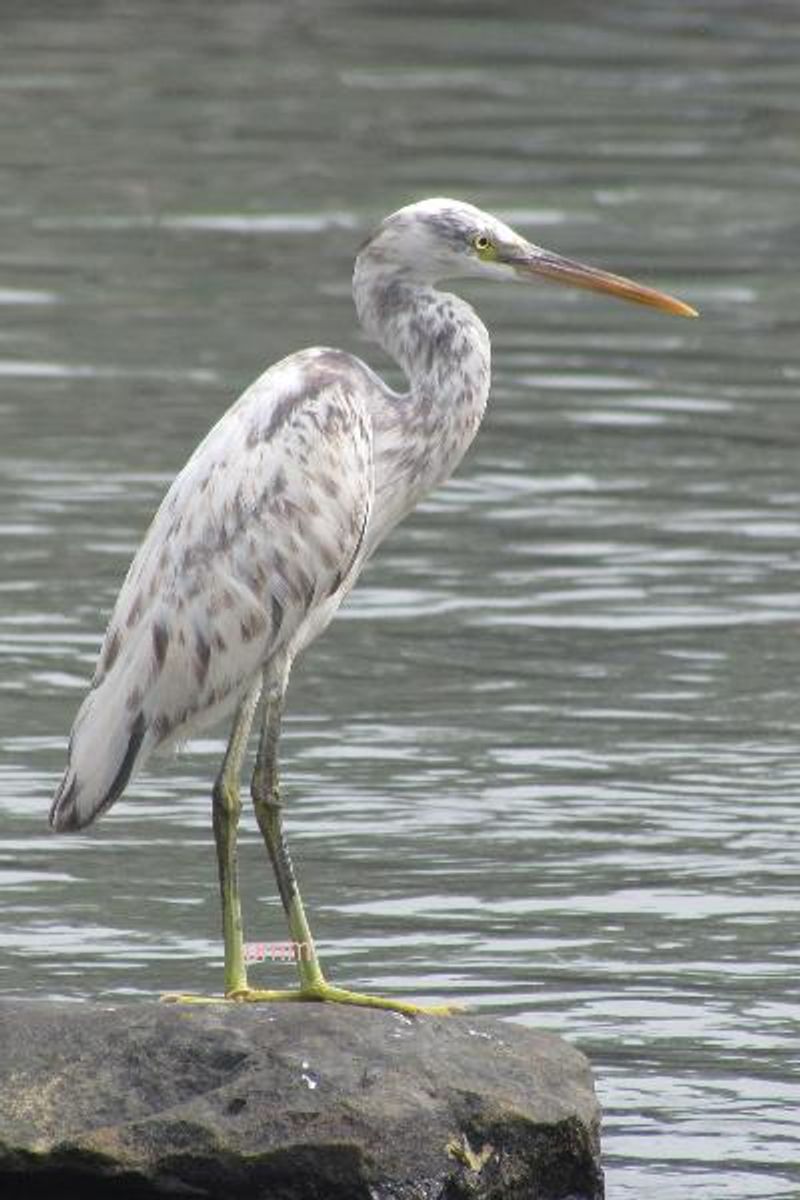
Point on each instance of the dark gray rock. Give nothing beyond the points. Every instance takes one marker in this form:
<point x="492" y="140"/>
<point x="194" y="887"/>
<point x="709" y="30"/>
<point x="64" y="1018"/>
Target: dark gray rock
<point x="289" y="1102"/>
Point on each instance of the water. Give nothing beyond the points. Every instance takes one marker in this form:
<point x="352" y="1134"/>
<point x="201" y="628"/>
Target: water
<point x="546" y="762"/>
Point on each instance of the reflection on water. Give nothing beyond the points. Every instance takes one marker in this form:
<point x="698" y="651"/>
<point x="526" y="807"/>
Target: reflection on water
<point x="546" y="760"/>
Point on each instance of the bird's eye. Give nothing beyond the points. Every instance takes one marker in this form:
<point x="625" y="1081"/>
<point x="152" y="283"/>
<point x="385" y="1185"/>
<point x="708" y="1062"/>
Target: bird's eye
<point x="481" y="242"/>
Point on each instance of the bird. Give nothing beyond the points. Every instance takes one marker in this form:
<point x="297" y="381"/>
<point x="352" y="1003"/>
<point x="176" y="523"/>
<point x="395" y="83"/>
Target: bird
<point x="266" y="530"/>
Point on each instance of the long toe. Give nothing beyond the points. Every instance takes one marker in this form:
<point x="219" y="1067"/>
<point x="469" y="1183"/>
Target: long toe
<point x="329" y="994"/>
<point x="188" y="998"/>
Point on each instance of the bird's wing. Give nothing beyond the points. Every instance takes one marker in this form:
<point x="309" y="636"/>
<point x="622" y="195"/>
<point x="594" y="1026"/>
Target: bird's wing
<point x="256" y="541"/>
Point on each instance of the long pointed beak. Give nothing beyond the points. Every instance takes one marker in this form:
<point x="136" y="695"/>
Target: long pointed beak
<point x="538" y="262"/>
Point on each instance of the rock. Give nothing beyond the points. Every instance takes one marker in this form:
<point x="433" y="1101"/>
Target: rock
<point x="289" y="1102"/>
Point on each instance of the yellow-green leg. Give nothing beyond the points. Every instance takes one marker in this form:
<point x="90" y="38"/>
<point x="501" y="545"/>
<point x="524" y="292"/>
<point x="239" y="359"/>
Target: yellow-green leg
<point x="267" y="803"/>
<point x="227" y="807"/>
<point x="268" y="808"/>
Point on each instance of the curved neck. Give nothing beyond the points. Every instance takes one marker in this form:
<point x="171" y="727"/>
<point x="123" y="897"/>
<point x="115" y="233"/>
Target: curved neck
<point x="444" y="350"/>
<point x="438" y="340"/>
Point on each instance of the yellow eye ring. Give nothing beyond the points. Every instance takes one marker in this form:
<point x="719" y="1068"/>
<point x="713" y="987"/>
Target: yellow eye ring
<point x="481" y="242"/>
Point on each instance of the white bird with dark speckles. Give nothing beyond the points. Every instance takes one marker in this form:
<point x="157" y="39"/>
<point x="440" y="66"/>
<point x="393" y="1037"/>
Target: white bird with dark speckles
<point x="268" y="526"/>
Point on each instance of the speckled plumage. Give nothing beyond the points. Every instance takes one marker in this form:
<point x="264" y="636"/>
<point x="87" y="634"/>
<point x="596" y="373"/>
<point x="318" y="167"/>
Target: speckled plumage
<point x="266" y="529"/>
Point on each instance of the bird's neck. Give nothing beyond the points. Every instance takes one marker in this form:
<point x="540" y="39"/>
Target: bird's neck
<point x="444" y="351"/>
<point x="438" y="340"/>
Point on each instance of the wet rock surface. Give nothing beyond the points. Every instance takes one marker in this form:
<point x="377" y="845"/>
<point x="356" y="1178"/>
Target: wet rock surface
<point x="289" y="1102"/>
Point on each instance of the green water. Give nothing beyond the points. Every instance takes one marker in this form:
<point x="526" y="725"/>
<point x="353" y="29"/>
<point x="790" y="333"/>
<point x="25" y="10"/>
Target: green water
<point x="546" y="760"/>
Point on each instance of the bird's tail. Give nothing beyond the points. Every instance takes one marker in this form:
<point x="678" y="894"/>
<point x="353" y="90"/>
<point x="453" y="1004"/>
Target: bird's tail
<point x="108" y="744"/>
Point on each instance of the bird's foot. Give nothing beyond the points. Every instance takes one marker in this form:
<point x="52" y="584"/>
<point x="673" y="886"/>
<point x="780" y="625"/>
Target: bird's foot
<point x="322" y="992"/>
<point x="326" y="993"/>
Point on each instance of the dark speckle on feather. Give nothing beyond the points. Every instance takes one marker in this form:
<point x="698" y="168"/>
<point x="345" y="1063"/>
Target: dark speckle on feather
<point x="112" y="650"/>
<point x="329" y="486"/>
<point x="251" y="626"/>
<point x="257" y="578"/>
<point x="135" y="612"/>
<point x="277" y="615"/>
<point x="160" y="643"/>
<point x="162" y="727"/>
<point x="305" y="585"/>
<point x="279" y="415"/>
<point x="202" y="658"/>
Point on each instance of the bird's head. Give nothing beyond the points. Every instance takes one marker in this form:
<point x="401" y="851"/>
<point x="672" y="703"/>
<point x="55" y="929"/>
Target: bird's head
<point x="447" y="239"/>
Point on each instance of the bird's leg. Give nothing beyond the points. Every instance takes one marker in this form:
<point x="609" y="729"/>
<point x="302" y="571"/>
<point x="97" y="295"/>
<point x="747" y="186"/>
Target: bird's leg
<point x="268" y="809"/>
<point x="227" y="807"/>
<point x="265" y="790"/>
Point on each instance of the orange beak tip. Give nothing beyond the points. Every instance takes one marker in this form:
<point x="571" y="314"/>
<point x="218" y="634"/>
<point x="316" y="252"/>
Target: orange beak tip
<point x="544" y="263"/>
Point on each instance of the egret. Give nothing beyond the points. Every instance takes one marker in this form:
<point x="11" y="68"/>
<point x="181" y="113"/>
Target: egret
<point x="266" y="529"/>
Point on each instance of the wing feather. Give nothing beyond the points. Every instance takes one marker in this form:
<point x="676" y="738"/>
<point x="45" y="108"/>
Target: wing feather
<point x="250" y="553"/>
